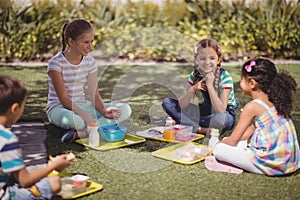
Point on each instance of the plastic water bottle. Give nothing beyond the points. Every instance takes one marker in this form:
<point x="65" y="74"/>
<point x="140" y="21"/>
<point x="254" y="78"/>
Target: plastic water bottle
<point x="214" y="137"/>
<point x="169" y="121"/>
<point x="94" y="138"/>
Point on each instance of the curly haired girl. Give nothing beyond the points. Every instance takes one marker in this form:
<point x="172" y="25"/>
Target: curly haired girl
<point x="264" y="140"/>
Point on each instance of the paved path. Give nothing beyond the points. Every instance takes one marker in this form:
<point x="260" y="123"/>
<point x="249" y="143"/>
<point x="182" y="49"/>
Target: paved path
<point x="142" y="63"/>
<point x="32" y="137"/>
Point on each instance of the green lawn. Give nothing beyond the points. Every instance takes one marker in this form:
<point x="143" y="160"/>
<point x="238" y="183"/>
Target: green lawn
<point x="132" y="173"/>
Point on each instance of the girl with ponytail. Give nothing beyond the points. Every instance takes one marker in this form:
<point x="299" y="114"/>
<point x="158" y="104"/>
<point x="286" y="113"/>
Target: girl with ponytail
<point x="74" y="101"/>
<point x="264" y="140"/>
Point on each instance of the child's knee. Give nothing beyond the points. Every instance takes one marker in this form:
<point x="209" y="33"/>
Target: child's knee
<point x="168" y="103"/>
<point x="217" y="151"/>
<point x="77" y="123"/>
<point x="55" y="184"/>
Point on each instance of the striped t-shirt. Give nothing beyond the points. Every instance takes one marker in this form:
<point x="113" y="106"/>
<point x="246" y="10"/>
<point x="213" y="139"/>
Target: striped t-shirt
<point x="226" y="82"/>
<point x="75" y="78"/>
<point x="11" y="159"/>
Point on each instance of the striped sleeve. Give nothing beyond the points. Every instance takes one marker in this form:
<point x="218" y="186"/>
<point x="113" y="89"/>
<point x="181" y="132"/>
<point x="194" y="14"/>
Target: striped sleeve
<point x="92" y="64"/>
<point x="226" y="80"/>
<point x="191" y="78"/>
<point x="10" y="153"/>
<point x="55" y="63"/>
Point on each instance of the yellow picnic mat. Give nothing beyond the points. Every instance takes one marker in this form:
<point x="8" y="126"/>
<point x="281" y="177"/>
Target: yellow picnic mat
<point x="69" y="191"/>
<point x="128" y="140"/>
<point x="159" y="135"/>
<point x="183" y="153"/>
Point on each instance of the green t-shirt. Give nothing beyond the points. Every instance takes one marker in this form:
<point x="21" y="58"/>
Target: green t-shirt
<point x="225" y="82"/>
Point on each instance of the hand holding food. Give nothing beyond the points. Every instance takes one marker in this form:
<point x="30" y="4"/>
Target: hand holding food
<point x="60" y="162"/>
<point x="70" y="156"/>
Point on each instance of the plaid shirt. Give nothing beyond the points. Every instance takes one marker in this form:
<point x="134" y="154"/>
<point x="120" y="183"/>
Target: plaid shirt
<point x="273" y="145"/>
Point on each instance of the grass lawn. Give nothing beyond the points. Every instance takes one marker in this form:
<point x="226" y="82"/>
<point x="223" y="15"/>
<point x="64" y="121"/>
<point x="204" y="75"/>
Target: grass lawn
<point x="131" y="172"/>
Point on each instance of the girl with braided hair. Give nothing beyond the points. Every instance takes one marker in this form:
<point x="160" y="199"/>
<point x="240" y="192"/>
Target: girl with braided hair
<point x="264" y="140"/>
<point x="211" y="82"/>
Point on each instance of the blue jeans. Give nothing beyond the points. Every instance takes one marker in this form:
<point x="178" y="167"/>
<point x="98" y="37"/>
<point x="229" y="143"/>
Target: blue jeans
<point x="201" y="115"/>
<point x="67" y="119"/>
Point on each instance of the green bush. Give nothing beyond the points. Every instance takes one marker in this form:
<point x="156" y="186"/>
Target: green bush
<point x="268" y="28"/>
<point x="261" y="27"/>
<point x="31" y="31"/>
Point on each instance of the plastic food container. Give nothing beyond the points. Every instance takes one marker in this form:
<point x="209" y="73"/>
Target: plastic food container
<point x="79" y="180"/>
<point x="69" y="189"/>
<point x="184" y="153"/>
<point x="183" y="132"/>
<point x="191" y="153"/>
<point x="112" y="133"/>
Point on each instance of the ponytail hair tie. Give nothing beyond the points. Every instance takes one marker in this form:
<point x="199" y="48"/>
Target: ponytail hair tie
<point x="218" y="48"/>
<point x="248" y="68"/>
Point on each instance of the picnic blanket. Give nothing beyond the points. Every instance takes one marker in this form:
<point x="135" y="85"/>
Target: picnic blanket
<point x="32" y="137"/>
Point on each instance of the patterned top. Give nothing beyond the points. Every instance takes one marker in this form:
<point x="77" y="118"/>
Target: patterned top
<point x="274" y="147"/>
<point x="11" y="159"/>
<point x="74" y="78"/>
<point x="226" y="81"/>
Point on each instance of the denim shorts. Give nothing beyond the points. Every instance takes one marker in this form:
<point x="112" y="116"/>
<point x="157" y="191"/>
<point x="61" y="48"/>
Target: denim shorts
<point x="41" y="190"/>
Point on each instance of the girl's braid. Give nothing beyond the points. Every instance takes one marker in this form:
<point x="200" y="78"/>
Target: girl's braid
<point x="197" y="76"/>
<point x="217" y="74"/>
<point x="196" y="72"/>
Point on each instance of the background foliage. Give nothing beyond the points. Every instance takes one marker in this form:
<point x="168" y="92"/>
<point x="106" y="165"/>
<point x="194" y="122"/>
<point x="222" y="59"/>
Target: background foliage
<point x="267" y="28"/>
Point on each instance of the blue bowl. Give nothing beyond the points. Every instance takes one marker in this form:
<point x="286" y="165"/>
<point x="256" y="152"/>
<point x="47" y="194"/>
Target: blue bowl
<point x="112" y="133"/>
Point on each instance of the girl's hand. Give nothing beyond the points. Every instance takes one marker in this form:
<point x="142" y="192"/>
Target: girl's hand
<point x="112" y="113"/>
<point x="209" y="77"/>
<point x="60" y="162"/>
<point x="201" y="85"/>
